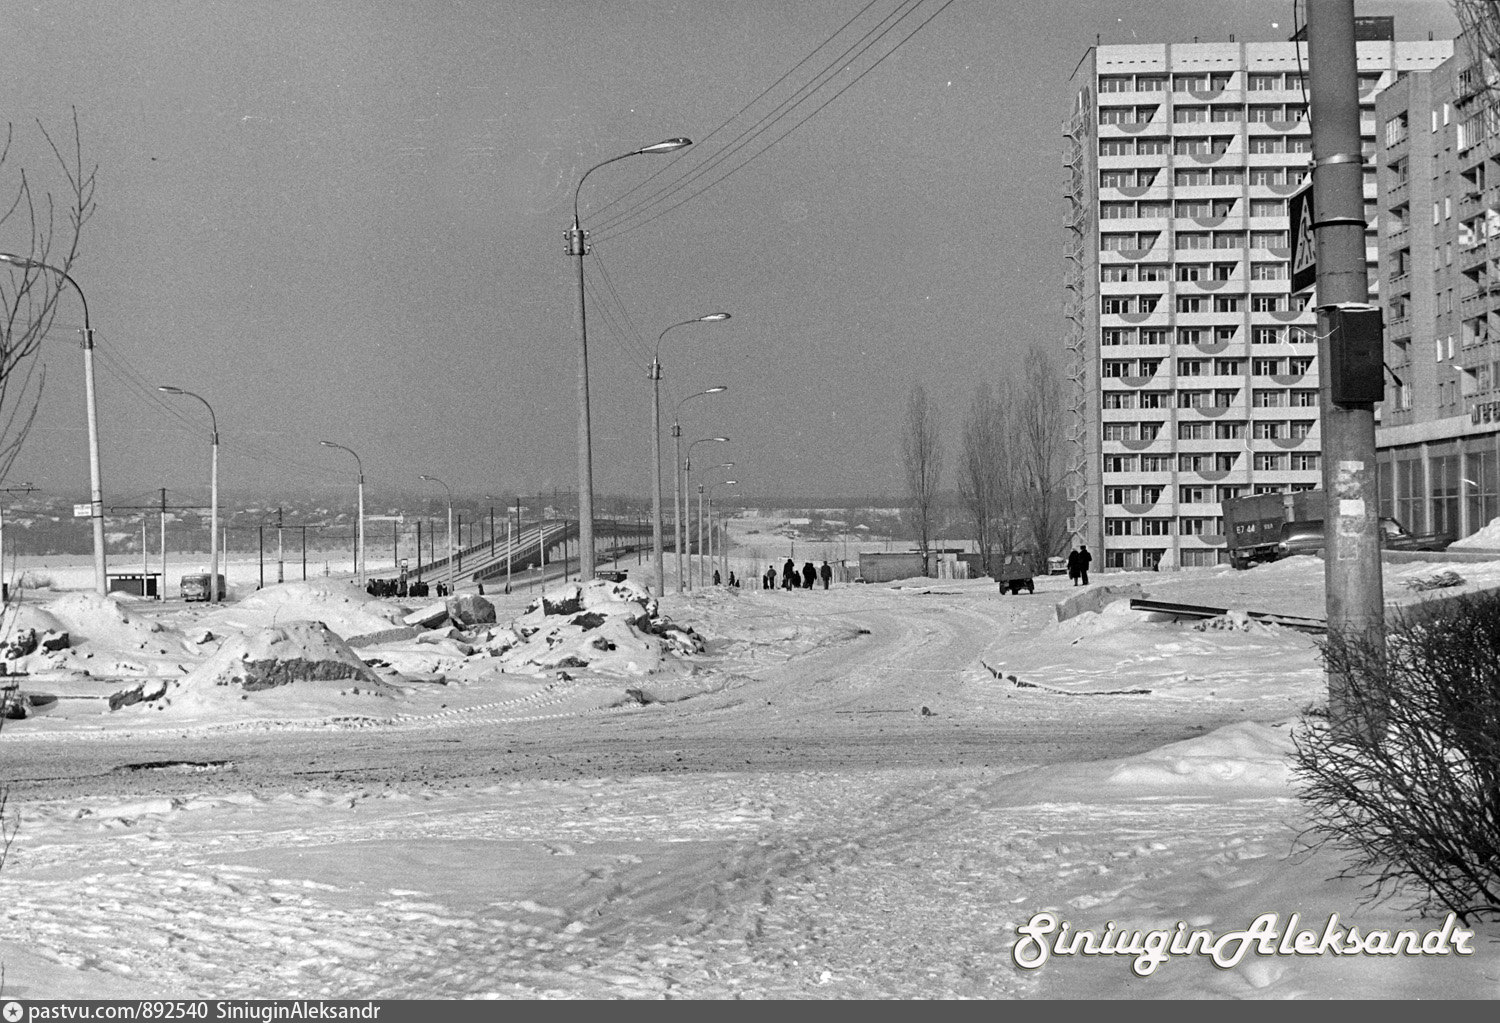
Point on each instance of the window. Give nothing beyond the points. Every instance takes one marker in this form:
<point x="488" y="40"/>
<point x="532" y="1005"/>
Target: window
<point x="1193" y="239"/>
<point x="1190" y="82"/>
<point x="1119" y="527"/>
<point x="1151" y="147"/>
<point x="1268" y="207"/>
<point x="1117" y="115"/>
<point x="1195" y="146"/>
<point x="1119" y="463"/>
<point x="1267" y="304"/>
<point x="1225" y="334"/>
<point x="1193" y="208"/>
<point x="1230" y="491"/>
<point x="1263" y="113"/>
<point x="1116" y="147"/>
<point x="1268" y="239"/>
<point x="1156" y="463"/>
<point x="1116" y="210"/>
<point x="1189" y="335"/>
<point x="1115" y="273"/>
<point x="1225" y="399"/>
<point x="1119" y="242"/>
<point x="1229" y="431"/>
<point x="1225" y="271"/>
<point x="1194" y="463"/>
<point x="1191" y="177"/>
<point x="1262" y="144"/>
<point x="1301" y="428"/>
<point x="1266" y="398"/>
<point x="1156" y="527"/>
<point x="1119" y="431"/>
<point x="1227" y="175"/>
<point x="1199" y="525"/>
<point x="1154" y="335"/>
<point x="1112" y="336"/>
<point x="1190" y="304"/>
<point x="1150" y="431"/>
<point x="1191" y="272"/>
<point x="1225" y="461"/>
<point x="1154" y="399"/>
<point x="1227" y="303"/>
<point x="1266" y="429"/>
<point x="1195" y="493"/>
<point x="1299" y="364"/>
<point x="1152" y="272"/>
<point x="1303" y="397"/>
<point x="1116" y="368"/>
<point x="1269" y="461"/>
<point x="1194" y="431"/>
<point x="1305" y="461"/>
<point x="1122" y="495"/>
<point x="1152" y="208"/>
<point x="1263" y="82"/>
<point x="1189" y="115"/>
<point x="1195" y="399"/>
<point x="1151" y="83"/>
<point x="1116" y="83"/>
<point x="1119" y="399"/>
<point x="1268" y="271"/>
<point x="1117" y="179"/>
<point x="1224" y="115"/>
<point x="1263" y="335"/>
<point x="1229" y="240"/>
<point x="1116" y="305"/>
<point x="1229" y="367"/>
<point x="1265" y="367"/>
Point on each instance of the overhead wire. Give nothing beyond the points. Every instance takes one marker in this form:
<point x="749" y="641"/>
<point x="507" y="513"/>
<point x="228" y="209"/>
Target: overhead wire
<point x="841" y="61"/>
<point x="621" y="226"/>
<point x="730" y="120"/>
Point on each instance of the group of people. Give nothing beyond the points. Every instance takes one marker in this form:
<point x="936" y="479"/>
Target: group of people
<point x="1078" y="565"/>
<point x="792" y="579"/>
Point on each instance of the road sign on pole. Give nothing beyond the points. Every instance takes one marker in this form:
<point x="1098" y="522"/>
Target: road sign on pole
<point x="1304" y="240"/>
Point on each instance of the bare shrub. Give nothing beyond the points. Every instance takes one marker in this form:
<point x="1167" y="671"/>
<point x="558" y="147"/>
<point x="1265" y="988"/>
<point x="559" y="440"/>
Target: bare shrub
<point x="1418" y="803"/>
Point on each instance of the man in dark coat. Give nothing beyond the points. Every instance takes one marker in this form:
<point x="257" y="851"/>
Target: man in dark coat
<point x="788" y="571"/>
<point x="769" y="582"/>
<point x="1084" y="558"/>
<point x="809" y="574"/>
<point x="826" y="574"/>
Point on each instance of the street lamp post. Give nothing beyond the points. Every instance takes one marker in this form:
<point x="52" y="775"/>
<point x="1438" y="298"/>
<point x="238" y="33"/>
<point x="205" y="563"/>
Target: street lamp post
<point x="577" y="239"/>
<point x="213" y="498"/>
<point x="707" y="493"/>
<point x="687" y="468"/>
<point x="96" y="487"/>
<point x="679" y="490"/>
<point x="434" y="479"/>
<point x="359" y="526"/>
<point x="656" y="526"/>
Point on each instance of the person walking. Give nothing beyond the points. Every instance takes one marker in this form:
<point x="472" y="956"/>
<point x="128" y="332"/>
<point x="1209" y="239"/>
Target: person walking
<point x="769" y="582"/>
<point x="788" y="572"/>
<point x="809" y="574"/>
<point x="1084" y="558"/>
<point x="826" y="574"/>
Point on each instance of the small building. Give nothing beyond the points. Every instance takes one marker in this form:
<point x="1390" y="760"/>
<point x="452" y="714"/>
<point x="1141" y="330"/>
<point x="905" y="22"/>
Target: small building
<point x="140" y="584"/>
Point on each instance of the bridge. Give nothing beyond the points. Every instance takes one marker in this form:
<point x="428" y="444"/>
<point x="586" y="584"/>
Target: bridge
<point x="540" y="543"/>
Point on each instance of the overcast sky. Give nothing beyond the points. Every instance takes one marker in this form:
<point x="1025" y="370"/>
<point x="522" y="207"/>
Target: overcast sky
<point x="344" y="221"/>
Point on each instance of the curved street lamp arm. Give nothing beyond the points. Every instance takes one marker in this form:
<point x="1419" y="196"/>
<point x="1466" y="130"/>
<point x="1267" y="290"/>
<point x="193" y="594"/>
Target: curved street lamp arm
<point x="22" y="261"/>
<point x="357" y="462"/>
<point x="212" y="419"/>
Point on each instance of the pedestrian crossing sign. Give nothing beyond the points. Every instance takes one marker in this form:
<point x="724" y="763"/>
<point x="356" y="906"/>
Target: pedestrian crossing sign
<point x="1304" y="241"/>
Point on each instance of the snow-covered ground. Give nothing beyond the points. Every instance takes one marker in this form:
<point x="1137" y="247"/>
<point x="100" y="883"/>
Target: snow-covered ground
<point x="859" y="792"/>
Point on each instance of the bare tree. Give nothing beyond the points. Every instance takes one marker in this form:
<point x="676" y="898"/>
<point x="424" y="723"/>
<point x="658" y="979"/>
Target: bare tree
<point x="985" y="472"/>
<point x="41" y="227"/>
<point x="1038" y="440"/>
<point x="922" y="457"/>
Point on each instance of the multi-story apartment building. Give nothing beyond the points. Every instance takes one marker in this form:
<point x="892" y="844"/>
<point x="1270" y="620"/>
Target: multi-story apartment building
<point x="1439" y="432"/>
<point x="1192" y="366"/>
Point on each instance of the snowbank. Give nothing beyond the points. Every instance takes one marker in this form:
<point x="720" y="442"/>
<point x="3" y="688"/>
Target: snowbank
<point x="347" y="610"/>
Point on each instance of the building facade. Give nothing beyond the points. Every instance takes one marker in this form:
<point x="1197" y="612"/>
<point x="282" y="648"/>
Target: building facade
<point x="1191" y="365"/>
<point x="1439" y="433"/>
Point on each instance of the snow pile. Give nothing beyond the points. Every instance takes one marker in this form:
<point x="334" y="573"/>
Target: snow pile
<point x="1487" y="538"/>
<point x="296" y="652"/>
<point x="611" y="628"/>
<point x="104" y="621"/>
<point x="1247" y="756"/>
<point x="339" y="604"/>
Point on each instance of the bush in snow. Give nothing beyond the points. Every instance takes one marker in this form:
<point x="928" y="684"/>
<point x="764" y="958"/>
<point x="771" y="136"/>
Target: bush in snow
<point x="1416" y="801"/>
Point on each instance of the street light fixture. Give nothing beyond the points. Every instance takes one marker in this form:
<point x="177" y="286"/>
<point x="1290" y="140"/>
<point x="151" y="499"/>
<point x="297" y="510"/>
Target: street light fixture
<point x="213" y="499"/>
<point x="687" y="468"/>
<point x="359" y="526"/>
<point x="96" y="487"/>
<point x="577" y="240"/>
<point x="655" y="374"/>
<point x="434" y="479"/>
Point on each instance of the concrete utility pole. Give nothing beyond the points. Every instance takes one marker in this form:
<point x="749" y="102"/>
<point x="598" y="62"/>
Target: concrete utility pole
<point x="1352" y="572"/>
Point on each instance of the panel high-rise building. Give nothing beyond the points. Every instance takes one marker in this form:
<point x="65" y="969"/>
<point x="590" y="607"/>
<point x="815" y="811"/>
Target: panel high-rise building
<point x="1192" y="367"/>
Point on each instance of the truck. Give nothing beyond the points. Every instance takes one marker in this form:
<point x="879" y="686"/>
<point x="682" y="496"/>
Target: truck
<point x="1252" y="525"/>
<point x="1268" y="527"/>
